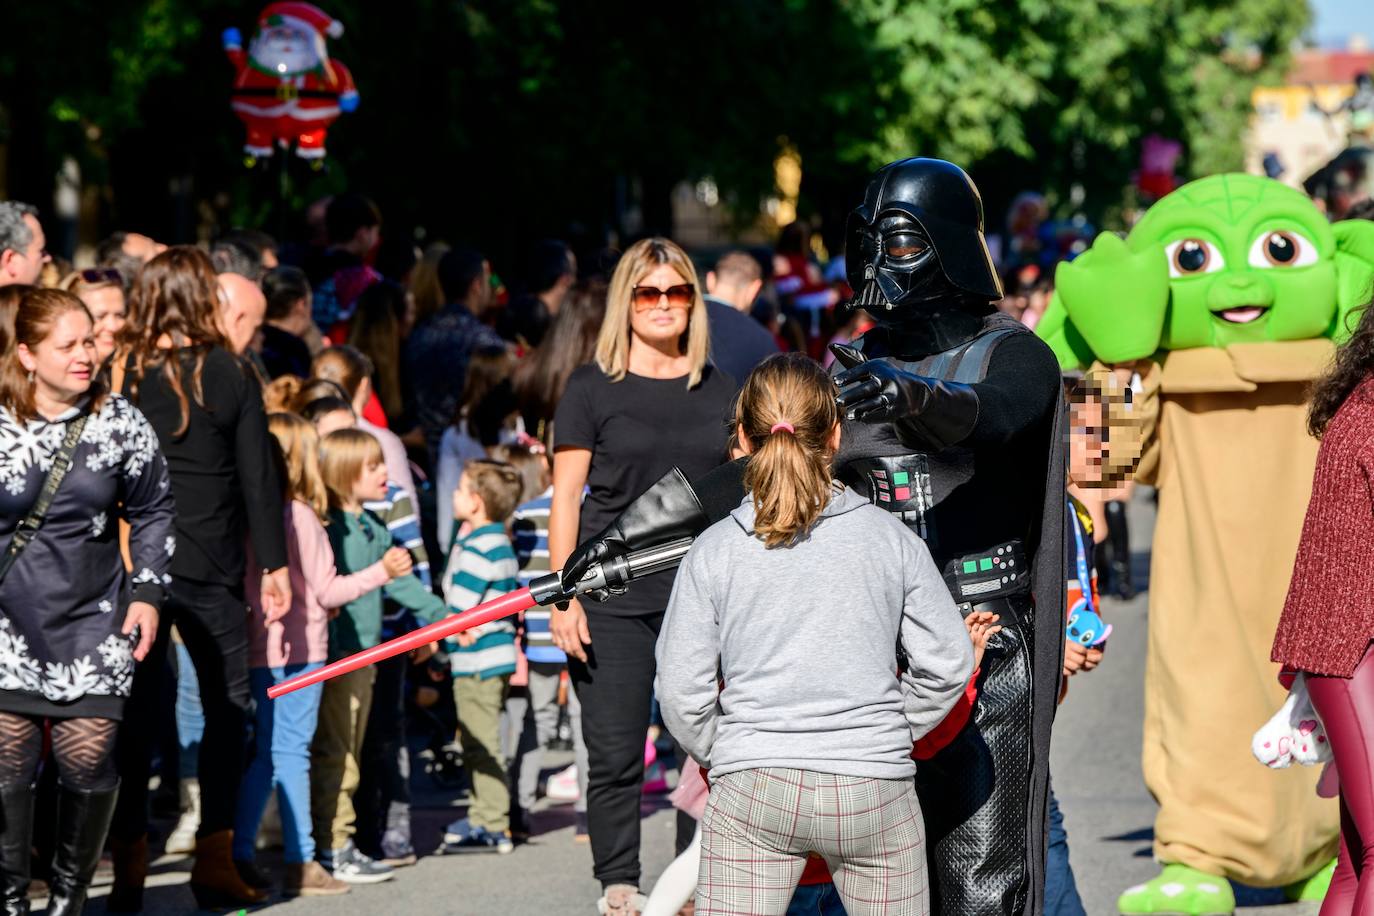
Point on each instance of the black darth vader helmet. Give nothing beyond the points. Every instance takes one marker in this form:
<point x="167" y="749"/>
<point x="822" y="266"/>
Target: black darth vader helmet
<point x="917" y="241"/>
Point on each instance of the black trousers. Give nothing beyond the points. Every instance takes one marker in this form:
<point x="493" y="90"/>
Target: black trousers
<point x="615" y="687"/>
<point x="382" y="802"/>
<point x="212" y="620"/>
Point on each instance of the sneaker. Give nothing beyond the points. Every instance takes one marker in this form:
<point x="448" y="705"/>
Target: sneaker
<point x="580" y="834"/>
<point x="562" y="786"/>
<point x="350" y="865"/>
<point x="475" y="839"/>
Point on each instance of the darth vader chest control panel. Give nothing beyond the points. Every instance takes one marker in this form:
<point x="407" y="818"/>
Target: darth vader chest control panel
<point x="994" y="573"/>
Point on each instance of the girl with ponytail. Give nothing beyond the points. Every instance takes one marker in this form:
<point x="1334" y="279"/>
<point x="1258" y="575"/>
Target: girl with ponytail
<point x="777" y="672"/>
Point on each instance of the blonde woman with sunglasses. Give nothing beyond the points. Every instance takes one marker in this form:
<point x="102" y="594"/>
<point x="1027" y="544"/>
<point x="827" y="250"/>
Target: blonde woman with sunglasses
<point x="650" y="401"/>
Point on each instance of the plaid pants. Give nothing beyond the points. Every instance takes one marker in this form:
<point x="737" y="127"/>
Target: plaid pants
<point x="759" y="826"/>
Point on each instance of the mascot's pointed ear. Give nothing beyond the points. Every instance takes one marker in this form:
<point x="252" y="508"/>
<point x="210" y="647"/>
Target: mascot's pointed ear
<point x="1356" y="237"/>
<point x="1354" y="271"/>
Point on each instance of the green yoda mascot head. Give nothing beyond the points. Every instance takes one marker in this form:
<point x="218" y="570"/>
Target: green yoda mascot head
<point x="1223" y="260"/>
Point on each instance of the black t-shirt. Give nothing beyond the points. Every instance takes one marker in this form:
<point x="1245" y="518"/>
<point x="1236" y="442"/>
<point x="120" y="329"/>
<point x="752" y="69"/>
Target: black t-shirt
<point x="637" y="429"/>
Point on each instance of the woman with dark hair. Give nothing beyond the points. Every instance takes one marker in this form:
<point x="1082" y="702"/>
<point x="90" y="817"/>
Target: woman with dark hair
<point x="539" y="378"/>
<point x="73" y="621"/>
<point x="1328" y="619"/>
<point x="206" y="407"/>
<point x="385" y="314"/>
<point x="287" y="326"/>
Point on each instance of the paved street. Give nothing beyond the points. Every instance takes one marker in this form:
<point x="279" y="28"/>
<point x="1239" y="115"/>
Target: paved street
<point x="1096" y="765"/>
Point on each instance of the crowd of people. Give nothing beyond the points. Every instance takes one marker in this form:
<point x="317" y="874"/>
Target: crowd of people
<point x="222" y="470"/>
<point x="276" y="453"/>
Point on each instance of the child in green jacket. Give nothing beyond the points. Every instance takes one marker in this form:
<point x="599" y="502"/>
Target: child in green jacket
<point x="354" y="471"/>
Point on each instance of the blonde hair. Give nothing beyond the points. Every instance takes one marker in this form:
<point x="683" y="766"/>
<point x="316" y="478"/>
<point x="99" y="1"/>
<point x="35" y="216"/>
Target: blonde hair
<point x="788" y="474"/>
<point x="613" y="343"/>
<point x="279" y="394"/>
<point x="299" y="447"/>
<point x="499" y="486"/>
<point x="344" y="454"/>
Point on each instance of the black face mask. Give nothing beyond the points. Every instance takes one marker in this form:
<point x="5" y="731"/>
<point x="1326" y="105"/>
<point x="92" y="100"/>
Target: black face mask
<point x="900" y="268"/>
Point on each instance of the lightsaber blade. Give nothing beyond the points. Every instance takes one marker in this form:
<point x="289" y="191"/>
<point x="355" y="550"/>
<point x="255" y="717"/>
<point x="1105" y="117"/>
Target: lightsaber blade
<point x="495" y="609"/>
<point x="545" y="590"/>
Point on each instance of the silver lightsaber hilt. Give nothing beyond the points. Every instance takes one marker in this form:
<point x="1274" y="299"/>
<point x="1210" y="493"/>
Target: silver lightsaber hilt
<point x="613" y="575"/>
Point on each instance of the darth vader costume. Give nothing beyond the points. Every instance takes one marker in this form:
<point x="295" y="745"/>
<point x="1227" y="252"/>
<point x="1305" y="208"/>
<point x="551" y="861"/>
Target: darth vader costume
<point x="953" y="422"/>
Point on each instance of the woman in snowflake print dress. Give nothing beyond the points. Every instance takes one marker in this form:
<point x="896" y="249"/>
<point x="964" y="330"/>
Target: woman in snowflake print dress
<point x="72" y="620"/>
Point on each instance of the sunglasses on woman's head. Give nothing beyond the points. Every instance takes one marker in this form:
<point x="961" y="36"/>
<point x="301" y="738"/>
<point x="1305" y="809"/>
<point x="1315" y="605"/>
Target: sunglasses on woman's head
<point x="101" y="275"/>
<point x="679" y="296"/>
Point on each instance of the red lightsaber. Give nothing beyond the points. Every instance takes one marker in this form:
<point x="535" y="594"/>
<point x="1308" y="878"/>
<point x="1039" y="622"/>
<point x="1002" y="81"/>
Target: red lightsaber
<point x="614" y="573"/>
<point x="495" y="609"/>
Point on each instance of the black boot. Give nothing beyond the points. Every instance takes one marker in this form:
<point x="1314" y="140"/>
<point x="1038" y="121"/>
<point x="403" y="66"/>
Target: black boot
<point x="1120" y="538"/>
<point x="83" y="820"/>
<point x="16" y="848"/>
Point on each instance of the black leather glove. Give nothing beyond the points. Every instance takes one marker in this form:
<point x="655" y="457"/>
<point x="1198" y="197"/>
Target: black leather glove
<point x="928" y="413"/>
<point x="665" y="512"/>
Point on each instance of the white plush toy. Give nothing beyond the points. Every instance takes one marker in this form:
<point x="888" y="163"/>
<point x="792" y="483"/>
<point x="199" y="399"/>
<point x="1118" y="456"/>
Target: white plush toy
<point x="1294" y="734"/>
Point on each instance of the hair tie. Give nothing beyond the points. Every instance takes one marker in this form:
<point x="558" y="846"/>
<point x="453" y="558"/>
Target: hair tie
<point x="783" y="425"/>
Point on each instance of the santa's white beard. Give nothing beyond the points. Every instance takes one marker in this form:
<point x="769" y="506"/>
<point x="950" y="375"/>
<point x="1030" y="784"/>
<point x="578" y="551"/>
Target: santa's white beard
<point x="285" y="58"/>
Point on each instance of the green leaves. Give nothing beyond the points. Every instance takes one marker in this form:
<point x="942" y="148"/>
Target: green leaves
<point x="549" y="110"/>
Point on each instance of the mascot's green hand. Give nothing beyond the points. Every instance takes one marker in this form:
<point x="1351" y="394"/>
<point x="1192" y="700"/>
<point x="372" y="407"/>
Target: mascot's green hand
<point x="1116" y="298"/>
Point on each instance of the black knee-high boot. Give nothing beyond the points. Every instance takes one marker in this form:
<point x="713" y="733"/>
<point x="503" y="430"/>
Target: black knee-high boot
<point x="1119" y="536"/>
<point x="83" y="820"/>
<point x="16" y="848"/>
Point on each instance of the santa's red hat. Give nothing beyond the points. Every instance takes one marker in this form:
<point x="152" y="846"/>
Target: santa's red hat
<point x="301" y="15"/>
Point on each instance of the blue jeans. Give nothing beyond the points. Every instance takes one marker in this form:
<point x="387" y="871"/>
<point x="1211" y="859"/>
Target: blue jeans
<point x="816" y="900"/>
<point x="190" y="715"/>
<point x="284" y="728"/>
<point x="1061" y="892"/>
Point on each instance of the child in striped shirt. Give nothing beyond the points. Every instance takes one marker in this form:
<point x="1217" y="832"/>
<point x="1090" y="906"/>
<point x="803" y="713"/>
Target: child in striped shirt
<point x="482" y="566"/>
<point x="532" y="707"/>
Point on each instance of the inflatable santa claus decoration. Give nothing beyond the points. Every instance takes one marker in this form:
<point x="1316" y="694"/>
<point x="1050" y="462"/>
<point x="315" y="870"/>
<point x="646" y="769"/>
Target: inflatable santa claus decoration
<point x="286" y="89"/>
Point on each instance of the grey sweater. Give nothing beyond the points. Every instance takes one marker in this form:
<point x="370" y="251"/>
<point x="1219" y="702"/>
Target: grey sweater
<point x="804" y="638"/>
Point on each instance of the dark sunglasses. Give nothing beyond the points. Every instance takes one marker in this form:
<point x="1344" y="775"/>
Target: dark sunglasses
<point x="679" y="297"/>
<point x="101" y="275"/>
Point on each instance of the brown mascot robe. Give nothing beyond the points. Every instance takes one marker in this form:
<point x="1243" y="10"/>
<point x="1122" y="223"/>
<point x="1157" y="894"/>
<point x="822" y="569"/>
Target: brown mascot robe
<point x="1227" y="446"/>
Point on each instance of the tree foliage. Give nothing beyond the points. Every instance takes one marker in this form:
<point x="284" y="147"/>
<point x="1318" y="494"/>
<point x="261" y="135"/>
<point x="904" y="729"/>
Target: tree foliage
<point x="503" y="119"/>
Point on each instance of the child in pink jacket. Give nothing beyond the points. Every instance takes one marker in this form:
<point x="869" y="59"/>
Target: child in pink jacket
<point x="283" y="647"/>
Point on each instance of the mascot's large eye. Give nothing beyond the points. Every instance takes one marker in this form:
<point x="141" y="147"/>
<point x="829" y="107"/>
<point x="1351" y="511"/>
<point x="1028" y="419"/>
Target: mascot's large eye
<point x="1193" y="256"/>
<point x="1282" y="248"/>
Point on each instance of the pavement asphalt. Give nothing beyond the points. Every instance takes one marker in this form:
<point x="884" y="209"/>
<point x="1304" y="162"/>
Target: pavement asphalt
<point x="1095" y="762"/>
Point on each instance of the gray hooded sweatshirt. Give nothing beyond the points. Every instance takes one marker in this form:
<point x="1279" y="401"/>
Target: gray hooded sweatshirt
<point x="804" y="638"/>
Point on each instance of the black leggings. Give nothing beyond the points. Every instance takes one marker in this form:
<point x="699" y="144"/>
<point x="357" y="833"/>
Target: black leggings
<point x="1346" y="707"/>
<point x="83" y="748"/>
<point x="212" y="620"/>
<point x="616" y="686"/>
